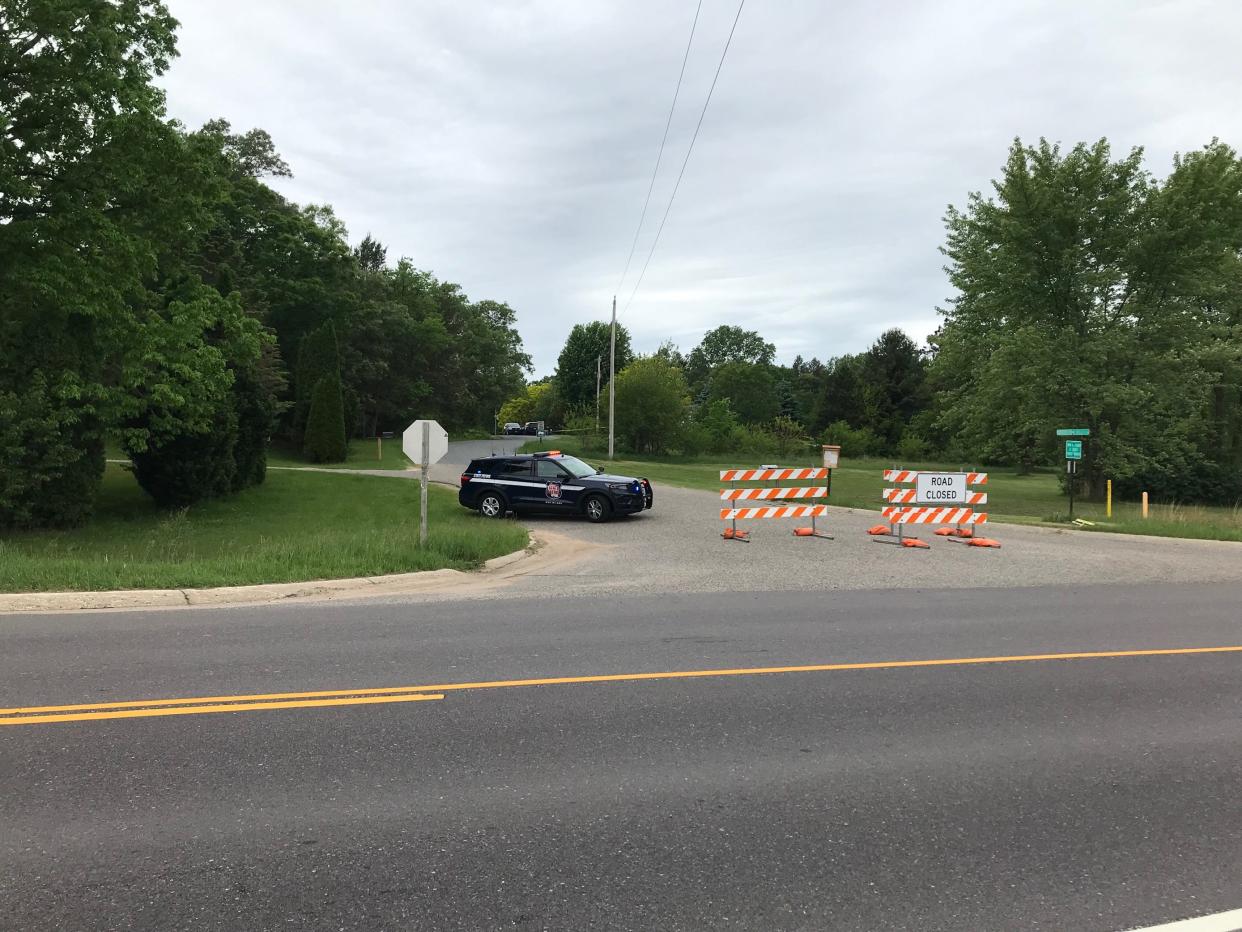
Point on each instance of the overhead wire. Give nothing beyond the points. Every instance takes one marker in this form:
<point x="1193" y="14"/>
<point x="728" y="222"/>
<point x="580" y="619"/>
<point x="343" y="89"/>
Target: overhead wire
<point x="660" y="155"/>
<point x="686" y="160"/>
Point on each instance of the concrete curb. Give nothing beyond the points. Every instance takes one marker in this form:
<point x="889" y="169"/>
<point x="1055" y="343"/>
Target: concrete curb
<point x="544" y="549"/>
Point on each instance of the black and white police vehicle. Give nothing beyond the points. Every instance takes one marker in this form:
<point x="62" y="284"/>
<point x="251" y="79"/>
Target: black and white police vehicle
<point x="550" y="483"/>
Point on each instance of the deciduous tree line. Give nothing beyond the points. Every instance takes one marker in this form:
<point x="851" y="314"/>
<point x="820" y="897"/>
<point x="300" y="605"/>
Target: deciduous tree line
<point x="156" y="292"/>
<point x="729" y="395"/>
<point x="1089" y="293"/>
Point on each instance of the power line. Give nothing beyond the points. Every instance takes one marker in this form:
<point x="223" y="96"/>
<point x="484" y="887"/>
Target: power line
<point x="685" y="161"/>
<point x="660" y="154"/>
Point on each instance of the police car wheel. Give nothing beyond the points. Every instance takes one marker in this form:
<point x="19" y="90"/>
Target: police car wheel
<point x="596" y="509"/>
<point x="492" y="505"/>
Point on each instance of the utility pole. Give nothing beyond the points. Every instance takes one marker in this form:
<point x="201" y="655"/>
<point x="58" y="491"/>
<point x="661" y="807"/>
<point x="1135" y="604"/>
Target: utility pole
<point x="612" y="379"/>
<point x="599" y="361"/>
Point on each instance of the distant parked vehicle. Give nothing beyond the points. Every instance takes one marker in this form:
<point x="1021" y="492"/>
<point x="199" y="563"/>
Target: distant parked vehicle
<point x="534" y="428"/>
<point x="513" y="427"/>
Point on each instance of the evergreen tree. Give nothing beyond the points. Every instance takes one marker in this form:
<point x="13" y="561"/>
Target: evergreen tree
<point x="325" y="426"/>
<point x="318" y="357"/>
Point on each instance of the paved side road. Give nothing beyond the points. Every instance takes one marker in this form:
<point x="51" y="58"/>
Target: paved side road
<point x="677" y="547"/>
<point x="1092" y="794"/>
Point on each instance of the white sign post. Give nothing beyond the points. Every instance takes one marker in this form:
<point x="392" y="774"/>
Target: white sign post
<point x="941" y="488"/>
<point x="424" y="442"/>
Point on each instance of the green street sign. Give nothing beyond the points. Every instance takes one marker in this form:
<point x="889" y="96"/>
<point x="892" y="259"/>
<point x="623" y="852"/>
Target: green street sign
<point x="1073" y="449"/>
<point x="1073" y="432"/>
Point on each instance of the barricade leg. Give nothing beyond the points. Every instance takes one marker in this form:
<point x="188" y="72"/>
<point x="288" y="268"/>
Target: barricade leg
<point x="812" y="531"/>
<point x="731" y="532"/>
<point x="898" y="540"/>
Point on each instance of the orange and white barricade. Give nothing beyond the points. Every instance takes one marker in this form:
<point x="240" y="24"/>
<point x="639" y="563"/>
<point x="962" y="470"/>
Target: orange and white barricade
<point x="773" y="501"/>
<point x="916" y="506"/>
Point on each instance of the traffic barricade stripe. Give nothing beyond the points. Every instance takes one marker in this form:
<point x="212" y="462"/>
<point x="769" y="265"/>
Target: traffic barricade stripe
<point x="899" y="495"/>
<point x="907" y="507"/>
<point x="933" y="516"/>
<point x="899" y="475"/>
<point x="802" y="491"/>
<point x="907" y="497"/>
<point x="774" y="511"/>
<point x="765" y="475"/>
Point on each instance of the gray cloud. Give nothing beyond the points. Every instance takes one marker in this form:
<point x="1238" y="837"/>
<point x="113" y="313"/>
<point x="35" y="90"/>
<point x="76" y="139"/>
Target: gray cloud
<point x="508" y="146"/>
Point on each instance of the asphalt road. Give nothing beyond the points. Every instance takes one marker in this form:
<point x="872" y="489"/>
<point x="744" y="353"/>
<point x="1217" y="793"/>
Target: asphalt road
<point x="676" y="548"/>
<point x="1090" y="793"/>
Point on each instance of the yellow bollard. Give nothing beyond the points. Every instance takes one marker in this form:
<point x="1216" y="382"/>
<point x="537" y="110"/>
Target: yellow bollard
<point x="1144" y="506"/>
<point x="379" y="448"/>
<point x="1108" y="508"/>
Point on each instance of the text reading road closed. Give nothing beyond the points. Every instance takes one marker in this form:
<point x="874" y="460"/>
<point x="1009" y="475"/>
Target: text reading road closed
<point x="941" y="488"/>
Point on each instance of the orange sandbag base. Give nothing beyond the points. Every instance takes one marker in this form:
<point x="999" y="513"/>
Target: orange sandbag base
<point x="730" y="534"/>
<point x="915" y="542"/>
<point x="879" y="530"/>
<point x="804" y="532"/>
<point x="982" y="542"/>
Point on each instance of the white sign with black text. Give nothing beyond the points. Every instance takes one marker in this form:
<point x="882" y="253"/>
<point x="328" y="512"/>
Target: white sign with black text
<point x="941" y="488"/>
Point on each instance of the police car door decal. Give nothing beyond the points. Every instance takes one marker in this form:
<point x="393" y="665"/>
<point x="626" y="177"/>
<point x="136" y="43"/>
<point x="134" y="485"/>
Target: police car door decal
<point x="554" y="491"/>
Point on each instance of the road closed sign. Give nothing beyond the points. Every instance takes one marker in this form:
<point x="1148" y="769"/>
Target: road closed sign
<point x="941" y="488"/>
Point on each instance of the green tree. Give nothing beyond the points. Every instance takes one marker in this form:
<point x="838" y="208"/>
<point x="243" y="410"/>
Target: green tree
<point x="842" y="394"/>
<point x="319" y="356"/>
<point x="51" y="453"/>
<point x="1092" y="295"/>
<point x="372" y="255"/>
<point x="668" y="350"/>
<point x="750" y="389"/>
<point x="894" y="371"/>
<point x="806" y="383"/>
<point x="576" y="365"/>
<point x="721" y="428"/>
<point x="325" y="426"/>
<point x="70" y="73"/>
<point x="90" y="335"/>
<point x="184" y="439"/>
<point x="652" y="402"/>
<point x="726" y="344"/>
<point x="537" y="402"/>
<point x="254" y="402"/>
<point x="251" y="154"/>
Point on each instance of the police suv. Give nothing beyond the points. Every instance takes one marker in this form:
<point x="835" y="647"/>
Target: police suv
<point x="550" y="483"/>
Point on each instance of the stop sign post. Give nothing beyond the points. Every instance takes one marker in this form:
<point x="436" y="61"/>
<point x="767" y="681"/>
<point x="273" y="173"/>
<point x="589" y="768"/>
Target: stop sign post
<point x="424" y="442"/>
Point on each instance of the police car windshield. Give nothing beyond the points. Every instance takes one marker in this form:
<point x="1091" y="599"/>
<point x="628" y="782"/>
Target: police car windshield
<point x="579" y="469"/>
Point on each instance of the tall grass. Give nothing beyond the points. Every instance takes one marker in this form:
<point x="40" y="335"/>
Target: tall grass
<point x="1171" y="520"/>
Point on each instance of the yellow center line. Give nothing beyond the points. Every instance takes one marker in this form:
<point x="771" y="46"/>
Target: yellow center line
<point x="193" y="705"/>
<point x="207" y="709"/>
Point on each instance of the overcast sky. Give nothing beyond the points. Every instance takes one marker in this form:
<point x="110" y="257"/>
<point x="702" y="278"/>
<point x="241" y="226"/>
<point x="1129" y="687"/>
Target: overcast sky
<point x="507" y="146"/>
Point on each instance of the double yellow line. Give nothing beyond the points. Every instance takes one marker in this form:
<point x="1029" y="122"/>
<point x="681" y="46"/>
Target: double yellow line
<point x="201" y="705"/>
<point x="204" y="705"/>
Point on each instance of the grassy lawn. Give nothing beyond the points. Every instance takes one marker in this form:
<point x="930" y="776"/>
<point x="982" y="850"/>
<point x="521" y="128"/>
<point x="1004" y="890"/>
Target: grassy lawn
<point x="1030" y="499"/>
<point x="296" y="526"/>
<point x="362" y="455"/>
